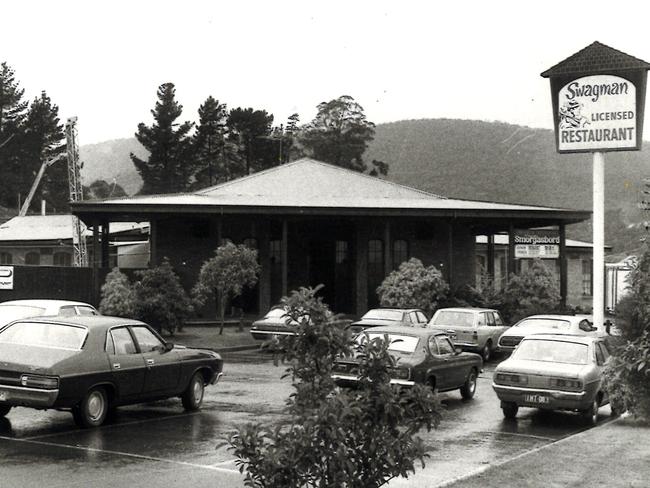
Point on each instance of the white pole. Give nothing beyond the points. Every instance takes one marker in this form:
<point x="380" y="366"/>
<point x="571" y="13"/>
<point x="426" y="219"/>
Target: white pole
<point x="599" y="240"/>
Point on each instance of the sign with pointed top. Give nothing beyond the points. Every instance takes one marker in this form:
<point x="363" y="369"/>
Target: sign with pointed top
<point x="598" y="99"/>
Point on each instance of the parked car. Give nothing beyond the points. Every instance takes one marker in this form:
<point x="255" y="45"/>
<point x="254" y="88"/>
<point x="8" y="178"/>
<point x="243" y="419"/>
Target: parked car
<point x="21" y="309"/>
<point x="382" y="317"/>
<point x="548" y="324"/>
<point x="472" y="329"/>
<point x="276" y="323"/>
<point x="90" y="364"/>
<point x="553" y="372"/>
<point x="424" y="356"/>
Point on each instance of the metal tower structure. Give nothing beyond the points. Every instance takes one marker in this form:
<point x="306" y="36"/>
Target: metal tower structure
<point x="76" y="191"/>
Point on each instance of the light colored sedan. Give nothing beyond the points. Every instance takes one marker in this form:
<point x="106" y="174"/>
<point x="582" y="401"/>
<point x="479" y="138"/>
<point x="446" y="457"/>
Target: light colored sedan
<point x="472" y="329"/>
<point x="21" y="309"/>
<point x="554" y="372"/>
<point x="548" y="324"/>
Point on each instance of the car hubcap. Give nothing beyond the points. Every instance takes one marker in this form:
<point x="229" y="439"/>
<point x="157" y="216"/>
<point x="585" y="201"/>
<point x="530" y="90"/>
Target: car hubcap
<point x="198" y="391"/>
<point x="472" y="383"/>
<point x="95" y="406"/>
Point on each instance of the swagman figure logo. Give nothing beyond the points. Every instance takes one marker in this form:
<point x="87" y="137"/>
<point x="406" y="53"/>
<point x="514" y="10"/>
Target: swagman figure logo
<point x="597" y="111"/>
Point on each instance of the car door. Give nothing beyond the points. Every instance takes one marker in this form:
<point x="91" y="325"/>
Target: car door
<point x="163" y="368"/>
<point x="126" y="363"/>
<point x="442" y="365"/>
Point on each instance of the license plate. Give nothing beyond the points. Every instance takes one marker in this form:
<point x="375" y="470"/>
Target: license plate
<point x="3" y="396"/>
<point x="540" y="399"/>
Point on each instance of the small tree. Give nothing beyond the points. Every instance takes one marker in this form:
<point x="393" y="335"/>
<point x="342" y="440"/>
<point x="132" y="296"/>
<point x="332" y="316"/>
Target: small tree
<point x="226" y="274"/>
<point x="118" y="297"/>
<point x="534" y="291"/>
<point x="160" y="299"/>
<point x="353" y="438"/>
<point x="413" y="285"/>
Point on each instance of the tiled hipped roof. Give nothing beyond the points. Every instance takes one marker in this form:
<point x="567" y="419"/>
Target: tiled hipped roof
<point x="596" y="58"/>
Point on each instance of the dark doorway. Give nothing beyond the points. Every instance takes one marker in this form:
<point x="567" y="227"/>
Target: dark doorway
<point x="322" y="269"/>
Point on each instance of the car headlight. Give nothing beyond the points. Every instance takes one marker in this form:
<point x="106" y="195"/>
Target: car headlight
<point x="400" y="373"/>
<point x="36" y="381"/>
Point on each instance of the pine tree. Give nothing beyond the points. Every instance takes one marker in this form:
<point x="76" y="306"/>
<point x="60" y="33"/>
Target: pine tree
<point x="210" y="144"/>
<point x="12" y="114"/>
<point x="43" y="140"/>
<point x="250" y="130"/>
<point x="171" y="165"/>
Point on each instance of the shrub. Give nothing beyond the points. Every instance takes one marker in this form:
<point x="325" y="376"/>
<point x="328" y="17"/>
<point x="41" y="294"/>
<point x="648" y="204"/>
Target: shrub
<point x="226" y="274"/>
<point x="354" y="438"/>
<point x="117" y="294"/>
<point x="413" y="285"/>
<point x="160" y="299"/>
<point x="534" y="291"/>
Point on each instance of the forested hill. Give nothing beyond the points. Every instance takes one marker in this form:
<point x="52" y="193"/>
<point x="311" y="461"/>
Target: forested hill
<point x="465" y="159"/>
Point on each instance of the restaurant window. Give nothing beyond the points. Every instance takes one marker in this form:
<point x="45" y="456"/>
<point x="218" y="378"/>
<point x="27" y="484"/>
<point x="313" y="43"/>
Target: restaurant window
<point x="400" y="252"/>
<point x="275" y="252"/>
<point x="33" y="258"/>
<point x="587" y="278"/>
<point x="375" y="252"/>
<point x="6" y="258"/>
<point x="62" y="259"/>
<point x="341" y="252"/>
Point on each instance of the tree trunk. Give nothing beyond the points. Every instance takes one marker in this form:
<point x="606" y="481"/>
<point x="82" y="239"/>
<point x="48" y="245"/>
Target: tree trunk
<point x="222" y="311"/>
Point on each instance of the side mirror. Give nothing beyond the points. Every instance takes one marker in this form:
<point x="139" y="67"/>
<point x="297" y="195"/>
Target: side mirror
<point x="458" y="350"/>
<point x="169" y="346"/>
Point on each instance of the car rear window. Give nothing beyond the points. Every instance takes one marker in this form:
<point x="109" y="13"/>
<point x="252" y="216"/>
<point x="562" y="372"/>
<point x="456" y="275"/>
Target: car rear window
<point x="379" y="314"/>
<point x="9" y="313"/>
<point x="398" y="342"/>
<point x="276" y="313"/>
<point x="552" y="351"/>
<point x="450" y="317"/>
<point x="545" y="323"/>
<point x="56" y="336"/>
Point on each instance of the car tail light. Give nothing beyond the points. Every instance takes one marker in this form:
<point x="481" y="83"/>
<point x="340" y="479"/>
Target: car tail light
<point x="511" y="379"/>
<point x="475" y="334"/>
<point x="35" y="381"/>
<point x="567" y="384"/>
<point x="400" y="373"/>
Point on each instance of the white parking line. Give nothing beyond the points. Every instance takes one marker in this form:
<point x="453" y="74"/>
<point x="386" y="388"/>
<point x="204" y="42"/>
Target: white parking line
<point x="119" y="453"/>
<point x="109" y="426"/>
<point x="517" y="434"/>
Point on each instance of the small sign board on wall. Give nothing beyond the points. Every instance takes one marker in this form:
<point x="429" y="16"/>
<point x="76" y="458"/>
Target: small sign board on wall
<point x="6" y="277"/>
<point x="531" y="244"/>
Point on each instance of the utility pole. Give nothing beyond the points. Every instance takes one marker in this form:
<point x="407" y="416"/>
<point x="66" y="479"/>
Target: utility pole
<point x="76" y="191"/>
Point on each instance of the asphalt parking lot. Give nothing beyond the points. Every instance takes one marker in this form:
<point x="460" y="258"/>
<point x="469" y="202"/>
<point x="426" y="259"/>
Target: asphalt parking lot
<point x="158" y="444"/>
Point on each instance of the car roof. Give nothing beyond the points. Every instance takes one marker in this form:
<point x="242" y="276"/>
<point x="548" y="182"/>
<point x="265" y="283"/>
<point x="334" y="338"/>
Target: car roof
<point x="89" y="321"/>
<point x="44" y="303"/>
<point x="467" y="309"/>
<point x="581" y="339"/>
<point x="396" y="309"/>
<point x="405" y="330"/>
<point x="552" y="316"/>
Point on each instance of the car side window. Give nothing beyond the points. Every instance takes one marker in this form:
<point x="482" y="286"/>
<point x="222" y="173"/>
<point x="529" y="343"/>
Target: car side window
<point x="123" y="341"/>
<point x="444" y="345"/>
<point x="67" y="311"/>
<point x="85" y="311"/>
<point x="497" y="319"/>
<point x="146" y="339"/>
<point x="603" y="350"/>
<point x="490" y="319"/>
<point x="407" y="318"/>
<point x="421" y="317"/>
<point x="433" y="346"/>
<point x="600" y="359"/>
<point x="481" y="319"/>
<point x="110" y="344"/>
<point x="414" y="318"/>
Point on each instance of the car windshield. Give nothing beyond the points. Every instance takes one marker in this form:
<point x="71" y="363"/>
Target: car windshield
<point x="276" y="313"/>
<point x="57" y="336"/>
<point x="382" y="314"/>
<point x="398" y="342"/>
<point x="453" y="317"/>
<point x="552" y="351"/>
<point x="545" y="323"/>
<point x="9" y="313"/>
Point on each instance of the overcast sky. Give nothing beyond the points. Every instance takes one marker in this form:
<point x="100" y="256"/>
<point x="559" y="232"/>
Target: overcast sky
<point x="401" y="60"/>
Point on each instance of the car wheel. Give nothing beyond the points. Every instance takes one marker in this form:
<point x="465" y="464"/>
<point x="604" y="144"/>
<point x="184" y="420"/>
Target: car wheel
<point x="92" y="410"/>
<point x="510" y="410"/>
<point x="590" y="415"/>
<point x="4" y="410"/>
<point x="486" y="352"/>
<point x="469" y="387"/>
<point x="193" y="397"/>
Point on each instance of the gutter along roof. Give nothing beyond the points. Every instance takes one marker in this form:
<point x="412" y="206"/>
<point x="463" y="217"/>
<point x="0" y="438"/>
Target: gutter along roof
<point x="309" y="187"/>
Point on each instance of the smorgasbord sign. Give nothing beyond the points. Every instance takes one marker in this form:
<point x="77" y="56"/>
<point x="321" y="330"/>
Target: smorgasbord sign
<point x="530" y="244"/>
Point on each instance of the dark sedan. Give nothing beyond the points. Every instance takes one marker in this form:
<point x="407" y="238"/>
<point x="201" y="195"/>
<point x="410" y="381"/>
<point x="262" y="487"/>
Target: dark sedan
<point x="88" y="365"/>
<point x="424" y="356"/>
<point x="383" y="317"/>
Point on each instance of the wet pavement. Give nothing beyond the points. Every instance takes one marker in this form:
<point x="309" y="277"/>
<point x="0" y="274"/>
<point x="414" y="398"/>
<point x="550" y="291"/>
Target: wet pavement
<point x="158" y="444"/>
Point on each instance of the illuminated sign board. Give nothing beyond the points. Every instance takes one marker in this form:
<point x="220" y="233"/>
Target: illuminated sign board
<point x="531" y="244"/>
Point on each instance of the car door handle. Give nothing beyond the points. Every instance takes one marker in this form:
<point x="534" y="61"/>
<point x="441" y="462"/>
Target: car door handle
<point x="150" y="362"/>
<point x="116" y="366"/>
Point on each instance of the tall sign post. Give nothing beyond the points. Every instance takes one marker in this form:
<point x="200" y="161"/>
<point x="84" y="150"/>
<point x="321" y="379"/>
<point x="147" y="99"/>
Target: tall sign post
<point x="598" y="99"/>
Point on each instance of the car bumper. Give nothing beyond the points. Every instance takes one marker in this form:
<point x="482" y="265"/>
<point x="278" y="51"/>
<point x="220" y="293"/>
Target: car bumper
<point x="27" y="397"/>
<point x="348" y="380"/>
<point x="541" y="398"/>
<point x="215" y="378"/>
